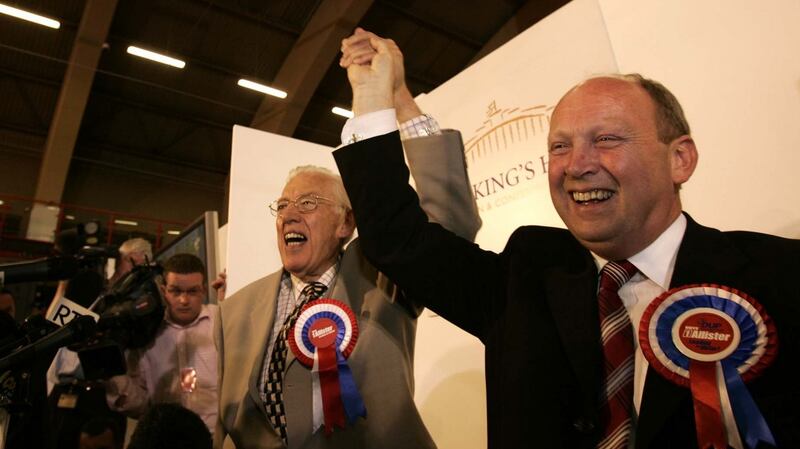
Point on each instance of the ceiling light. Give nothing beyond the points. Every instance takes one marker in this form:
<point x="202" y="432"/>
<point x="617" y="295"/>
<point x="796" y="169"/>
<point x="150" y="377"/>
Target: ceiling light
<point x="174" y="232"/>
<point x="262" y="88"/>
<point x="1" y="202"/>
<point x="126" y="222"/>
<point x="30" y="17"/>
<point x="157" y="57"/>
<point x="69" y="217"/>
<point x="342" y="111"/>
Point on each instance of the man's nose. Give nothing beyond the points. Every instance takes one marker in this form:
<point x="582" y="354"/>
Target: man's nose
<point x="289" y="213"/>
<point x="583" y="160"/>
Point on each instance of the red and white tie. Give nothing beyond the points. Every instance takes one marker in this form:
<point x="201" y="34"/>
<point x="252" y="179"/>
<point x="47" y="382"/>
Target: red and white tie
<point x="616" y="397"/>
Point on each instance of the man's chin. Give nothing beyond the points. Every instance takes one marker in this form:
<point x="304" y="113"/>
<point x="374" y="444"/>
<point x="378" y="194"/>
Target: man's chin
<point x="296" y="269"/>
<point x="592" y="234"/>
<point x="183" y="318"/>
<point x="294" y="261"/>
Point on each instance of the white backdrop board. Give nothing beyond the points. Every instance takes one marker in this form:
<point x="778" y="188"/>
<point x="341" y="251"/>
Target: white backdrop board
<point x="260" y="162"/>
<point x="732" y="64"/>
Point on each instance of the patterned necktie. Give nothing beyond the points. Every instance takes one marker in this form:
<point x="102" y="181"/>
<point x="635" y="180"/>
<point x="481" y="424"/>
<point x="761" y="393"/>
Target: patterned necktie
<point x="616" y="397"/>
<point x="277" y="362"/>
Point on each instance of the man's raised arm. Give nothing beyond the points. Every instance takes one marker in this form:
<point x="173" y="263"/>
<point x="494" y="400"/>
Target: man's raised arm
<point x="436" y="157"/>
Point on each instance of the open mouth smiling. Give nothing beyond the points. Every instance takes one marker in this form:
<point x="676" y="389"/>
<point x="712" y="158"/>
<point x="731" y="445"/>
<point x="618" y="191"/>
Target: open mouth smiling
<point x="592" y="196"/>
<point x="294" y="238"/>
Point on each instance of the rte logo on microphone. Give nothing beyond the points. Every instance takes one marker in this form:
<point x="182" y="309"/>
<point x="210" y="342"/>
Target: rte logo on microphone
<point x="65" y="311"/>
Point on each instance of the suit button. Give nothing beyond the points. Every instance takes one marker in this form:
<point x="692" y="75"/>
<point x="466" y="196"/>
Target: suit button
<point x="583" y="425"/>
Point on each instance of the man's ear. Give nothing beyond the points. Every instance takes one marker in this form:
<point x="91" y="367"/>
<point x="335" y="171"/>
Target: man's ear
<point x="683" y="157"/>
<point x="348" y="225"/>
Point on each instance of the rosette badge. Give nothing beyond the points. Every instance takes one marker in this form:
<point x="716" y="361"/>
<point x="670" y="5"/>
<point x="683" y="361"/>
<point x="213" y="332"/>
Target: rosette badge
<point x="323" y="337"/>
<point x="713" y="339"/>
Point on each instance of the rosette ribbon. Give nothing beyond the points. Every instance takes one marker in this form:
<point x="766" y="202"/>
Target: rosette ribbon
<point x="323" y="337"/>
<point x="713" y="339"/>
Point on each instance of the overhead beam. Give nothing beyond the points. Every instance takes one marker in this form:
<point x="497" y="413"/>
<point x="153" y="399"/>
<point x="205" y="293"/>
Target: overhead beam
<point x="308" y="60"/>
<point x="526" y="16"/>
<point x="258" y="20"/>
<point x="432" y="24"/>
<point x="63" y="133"/>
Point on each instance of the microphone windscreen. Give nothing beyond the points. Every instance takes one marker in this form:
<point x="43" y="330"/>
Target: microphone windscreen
<point x="85" y="287"/>
<point x="62" y="268"/>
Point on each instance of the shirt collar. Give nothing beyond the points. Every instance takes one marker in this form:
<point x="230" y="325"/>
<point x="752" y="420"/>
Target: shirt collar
<point x="204" y="314"/>
<point x="657" y="261"/>
<point x="327" y="278"/>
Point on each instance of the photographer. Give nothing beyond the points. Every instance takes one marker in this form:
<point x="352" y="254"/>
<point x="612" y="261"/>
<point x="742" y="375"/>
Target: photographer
<point x="180" y="364"/>
<point x="132" y="252"/>
<point x="73" y="400"/>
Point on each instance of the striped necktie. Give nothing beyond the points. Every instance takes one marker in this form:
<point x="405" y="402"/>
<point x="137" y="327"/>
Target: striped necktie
<point x="616" y="397"/>
<point x="277" y="362"/>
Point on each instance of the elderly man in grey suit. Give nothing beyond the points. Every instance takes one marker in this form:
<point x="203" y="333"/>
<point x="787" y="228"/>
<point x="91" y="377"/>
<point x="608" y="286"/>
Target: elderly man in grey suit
<point x="266" y="401"/>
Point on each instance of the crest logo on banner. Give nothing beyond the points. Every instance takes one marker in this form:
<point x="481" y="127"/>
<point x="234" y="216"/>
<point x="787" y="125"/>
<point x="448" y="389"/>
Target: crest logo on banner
<point x="507" y="154"/>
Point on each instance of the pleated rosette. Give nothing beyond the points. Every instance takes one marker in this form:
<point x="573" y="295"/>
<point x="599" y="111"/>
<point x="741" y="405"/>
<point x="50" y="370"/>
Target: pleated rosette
<point x="713" y="339"/>
<point x="322" y="338"/>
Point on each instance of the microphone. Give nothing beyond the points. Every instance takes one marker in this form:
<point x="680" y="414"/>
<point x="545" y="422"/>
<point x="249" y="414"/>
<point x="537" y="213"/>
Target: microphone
<point x="79" y="329"/>
<point x="85" y="287"/>
<point x="47" y="269"/>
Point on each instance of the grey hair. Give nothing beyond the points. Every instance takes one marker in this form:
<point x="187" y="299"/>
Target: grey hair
<point x="670" y="118"/>
<point x="339" y="194"/>
<point x="137" y="245"/>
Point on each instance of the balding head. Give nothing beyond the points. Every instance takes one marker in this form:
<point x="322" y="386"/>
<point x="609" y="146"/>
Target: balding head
<point x="614" y="172"/>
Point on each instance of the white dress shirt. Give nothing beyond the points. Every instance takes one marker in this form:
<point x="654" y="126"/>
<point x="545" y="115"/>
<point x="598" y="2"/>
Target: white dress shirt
<point x="655" y="264"/>
<point x="158" y="373"/>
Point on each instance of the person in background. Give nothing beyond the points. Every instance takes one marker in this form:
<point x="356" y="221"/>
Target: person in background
<point x="170" y="426"/>
<point x="219" y="286"/>
<point x="180" y="364"/>
<point x="7" y="303"/>
<point x="133" y="252"/>
<point x="101" y="432"/>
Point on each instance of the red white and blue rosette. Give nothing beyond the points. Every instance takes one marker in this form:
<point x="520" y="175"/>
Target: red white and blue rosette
<point x="322" y="338"/>
<point x="713" y="339"/>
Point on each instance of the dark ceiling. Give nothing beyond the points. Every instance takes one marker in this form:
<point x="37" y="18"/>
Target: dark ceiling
<point x="158" y="121"/>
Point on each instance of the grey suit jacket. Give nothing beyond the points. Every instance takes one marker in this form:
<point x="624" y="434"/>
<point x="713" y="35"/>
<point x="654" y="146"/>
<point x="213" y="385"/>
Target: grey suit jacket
<point x="382" y="362"/>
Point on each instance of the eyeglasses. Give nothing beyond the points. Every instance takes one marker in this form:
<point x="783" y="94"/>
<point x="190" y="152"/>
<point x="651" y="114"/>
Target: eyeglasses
<point x="303" y="203"/>
<point x="193" y="292"/>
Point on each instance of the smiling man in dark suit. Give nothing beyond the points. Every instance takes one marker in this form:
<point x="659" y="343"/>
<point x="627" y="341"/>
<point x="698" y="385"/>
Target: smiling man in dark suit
<point x="563" y="369"/>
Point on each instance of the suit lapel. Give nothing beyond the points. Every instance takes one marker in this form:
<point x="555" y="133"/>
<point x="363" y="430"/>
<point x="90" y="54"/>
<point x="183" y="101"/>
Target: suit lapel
<point x="572" y="299"/>
<point x="704" y="256"/>
<point x="262" y="317"/>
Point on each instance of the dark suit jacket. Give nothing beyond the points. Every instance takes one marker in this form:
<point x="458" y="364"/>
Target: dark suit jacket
<point x="534" y="307"/>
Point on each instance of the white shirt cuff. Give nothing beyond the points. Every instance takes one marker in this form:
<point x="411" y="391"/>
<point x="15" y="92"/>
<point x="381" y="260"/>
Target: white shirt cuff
<point x="369" y="125"/>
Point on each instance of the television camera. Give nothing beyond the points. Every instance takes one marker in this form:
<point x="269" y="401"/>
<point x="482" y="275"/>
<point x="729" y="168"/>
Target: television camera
<point x="129" y="314"/>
